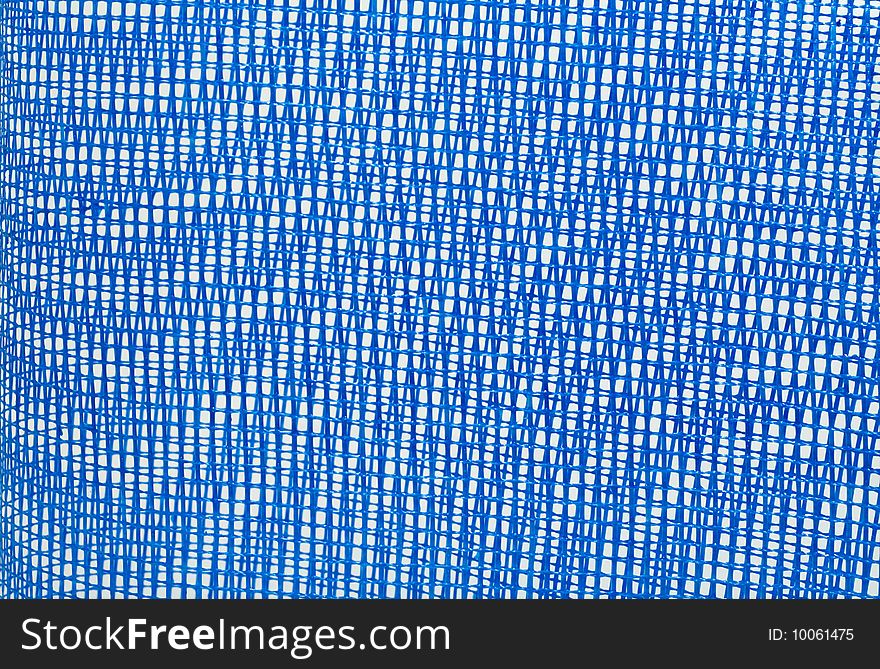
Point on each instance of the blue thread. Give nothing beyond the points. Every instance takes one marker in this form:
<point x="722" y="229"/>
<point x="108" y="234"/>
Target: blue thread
<point x="439" y="299"/>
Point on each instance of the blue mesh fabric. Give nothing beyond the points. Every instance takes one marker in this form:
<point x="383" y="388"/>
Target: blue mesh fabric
<point x="479" y="298"/>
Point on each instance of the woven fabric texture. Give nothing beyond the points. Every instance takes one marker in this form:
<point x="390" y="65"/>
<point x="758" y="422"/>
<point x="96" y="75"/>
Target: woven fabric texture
<point x="388" y="298"/>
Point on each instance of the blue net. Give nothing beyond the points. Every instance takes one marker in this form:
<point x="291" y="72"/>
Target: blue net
<point x="387" y="298"/>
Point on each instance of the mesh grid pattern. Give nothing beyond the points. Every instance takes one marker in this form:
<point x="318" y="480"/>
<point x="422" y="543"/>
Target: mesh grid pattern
<point x="439" y="299"/>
